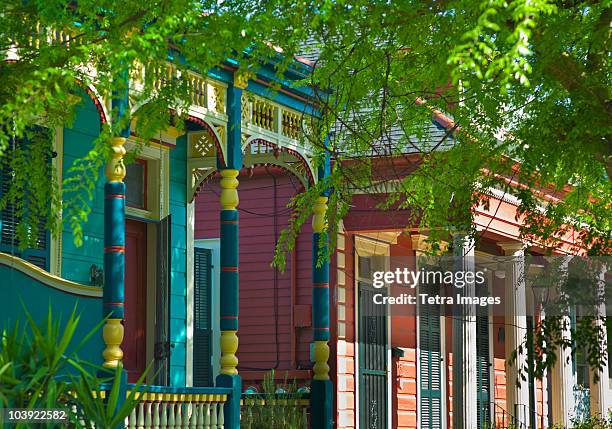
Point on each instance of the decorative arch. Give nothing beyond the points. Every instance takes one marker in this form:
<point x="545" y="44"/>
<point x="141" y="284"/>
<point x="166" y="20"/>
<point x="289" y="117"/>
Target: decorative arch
<point x="200" y="176"/>
<point x="303" y="169"/>
<point x="97" y="100"/>
<point x="216" y="138"/>
<point x="205" y="174"/>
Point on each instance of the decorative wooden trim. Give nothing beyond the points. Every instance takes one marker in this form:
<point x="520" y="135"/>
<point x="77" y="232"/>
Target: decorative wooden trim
<point x="420" y="244"/>
<point x="190" y="293"/>
<point x="48" y="279"/>
<point x="389" y="237"/>
<point x="371" y="247"/>
<point x="55" y="243"/>
<point x="157" y="180"/>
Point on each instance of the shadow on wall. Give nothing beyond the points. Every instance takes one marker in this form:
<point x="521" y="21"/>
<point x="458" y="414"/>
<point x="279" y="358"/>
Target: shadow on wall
<point x="19" y="290"/>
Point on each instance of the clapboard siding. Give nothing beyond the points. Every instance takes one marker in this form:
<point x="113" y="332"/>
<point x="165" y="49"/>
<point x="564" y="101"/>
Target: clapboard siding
<point x="258" y="331"/>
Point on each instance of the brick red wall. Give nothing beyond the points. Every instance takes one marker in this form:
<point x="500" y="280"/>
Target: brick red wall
<point x="259" y="347"/>
<point x="405" y="382"/>
<point x="345" y="333"/>
<point x="499" y="366"/>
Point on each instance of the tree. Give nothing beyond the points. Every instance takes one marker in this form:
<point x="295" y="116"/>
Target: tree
<point x="55" y="50"/>
<point x="524" y="89"/>
<point x="525" y="85"/>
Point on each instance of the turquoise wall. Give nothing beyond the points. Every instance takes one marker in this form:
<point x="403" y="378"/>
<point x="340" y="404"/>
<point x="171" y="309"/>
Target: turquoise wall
<point x="178" y="263"/>
<point x="77" y="261"/>
<point x="78" y="140"/>
<point x="17" y="288"/>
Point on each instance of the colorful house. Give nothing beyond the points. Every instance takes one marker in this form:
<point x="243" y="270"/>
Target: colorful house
<point x="184" y="238"/>
<point x="138" y="261"/>
<point x="391" y="369"/>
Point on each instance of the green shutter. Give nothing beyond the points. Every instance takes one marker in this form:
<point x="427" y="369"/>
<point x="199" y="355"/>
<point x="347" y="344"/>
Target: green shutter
<point x="531" y="372"/>
<point x="38" y="255"/>
<point x="202" y="327"/>
<point x="483" y="362"/>
<point x="430" y="361"/>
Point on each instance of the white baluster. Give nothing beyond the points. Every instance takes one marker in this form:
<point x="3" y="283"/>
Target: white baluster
<point x="132" y="419"/>
<point x="178" y="424"/>
<point x="189" y="416"/>
<point x="193" y="421"/>
<point x="140" y="420"/>
<point x="149" y="415"/>
<point x="164" y="415"/>
<point x="156" y="406"/>
<point x="213" y="416"/>
<point x="200" y="410"/>
<point x="221" y="421"/>
<point x="171" y="419"/>
<point x="207" y="415"/>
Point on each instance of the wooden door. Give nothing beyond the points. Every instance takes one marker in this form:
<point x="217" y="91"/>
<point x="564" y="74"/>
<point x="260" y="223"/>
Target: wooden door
<point x="134" y="342"/>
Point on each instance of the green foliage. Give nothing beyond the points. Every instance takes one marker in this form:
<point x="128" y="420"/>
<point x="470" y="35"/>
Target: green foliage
<point x="273" y="410"/>
<point x="595" y="422"/>
<point x="525" y="86"/>
<point x="40" y="368"/>
<point x="47" y="74"/>
<point x="522" y="81"/>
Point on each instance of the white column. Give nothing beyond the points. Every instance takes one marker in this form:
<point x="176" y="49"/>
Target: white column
<point x="515" y="308"/>
<point x="599" y="399"/>
<point x="562" y="378"/>
<point x="464" y="342"/>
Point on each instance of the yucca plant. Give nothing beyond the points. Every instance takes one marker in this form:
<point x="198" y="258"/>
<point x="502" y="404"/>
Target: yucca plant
<point x="272" y="409"/>
<point x="40" y="368"/>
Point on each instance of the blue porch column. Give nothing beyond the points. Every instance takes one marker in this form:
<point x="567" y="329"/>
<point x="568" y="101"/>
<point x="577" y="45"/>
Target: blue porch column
<point x="114" y="235"/>
<point x="321" y="396"/>
<point x="229" y="256"/>
<point x="114" y="243"/>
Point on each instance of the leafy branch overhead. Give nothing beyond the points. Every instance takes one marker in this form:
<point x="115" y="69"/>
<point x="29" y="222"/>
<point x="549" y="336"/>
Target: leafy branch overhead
<point x="432" y="104"/>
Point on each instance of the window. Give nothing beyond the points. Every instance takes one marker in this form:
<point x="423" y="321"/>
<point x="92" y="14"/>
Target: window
<point x="136" y="184"/>
<point x="13" y="212"/>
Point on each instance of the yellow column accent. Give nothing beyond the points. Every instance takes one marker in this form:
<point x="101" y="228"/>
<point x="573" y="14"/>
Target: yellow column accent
<point x="229" y="194"/>
<point x="115" y="168"/>
<point x="318" y="219"/>
<point x="321" y="356"/>
<point x="229" y="347"/>
<point x="241" y="79"/>
<point x="112" y="333"/>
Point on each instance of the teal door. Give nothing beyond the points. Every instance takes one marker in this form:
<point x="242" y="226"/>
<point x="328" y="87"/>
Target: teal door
<point x="431" y="365"/>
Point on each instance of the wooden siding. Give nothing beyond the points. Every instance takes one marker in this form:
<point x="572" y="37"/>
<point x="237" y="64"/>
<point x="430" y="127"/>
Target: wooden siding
<point x="405" y="397"/>
<point x="78" y="140"/>
<point x="178" y="261"/>
<point x="266" y="338"/>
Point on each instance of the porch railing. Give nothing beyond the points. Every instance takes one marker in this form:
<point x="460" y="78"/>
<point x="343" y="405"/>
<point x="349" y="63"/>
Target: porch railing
<point x="178" y="408"/>
<point x="278" y="409"/>
<point x="505" y="420"/>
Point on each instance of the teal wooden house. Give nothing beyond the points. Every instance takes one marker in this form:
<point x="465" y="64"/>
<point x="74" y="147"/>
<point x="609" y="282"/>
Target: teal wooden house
<point x="136" y="264"/>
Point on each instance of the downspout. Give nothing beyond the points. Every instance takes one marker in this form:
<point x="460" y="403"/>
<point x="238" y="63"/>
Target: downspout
<point x="275" y="217"/>
<point x="293" y="301"/>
